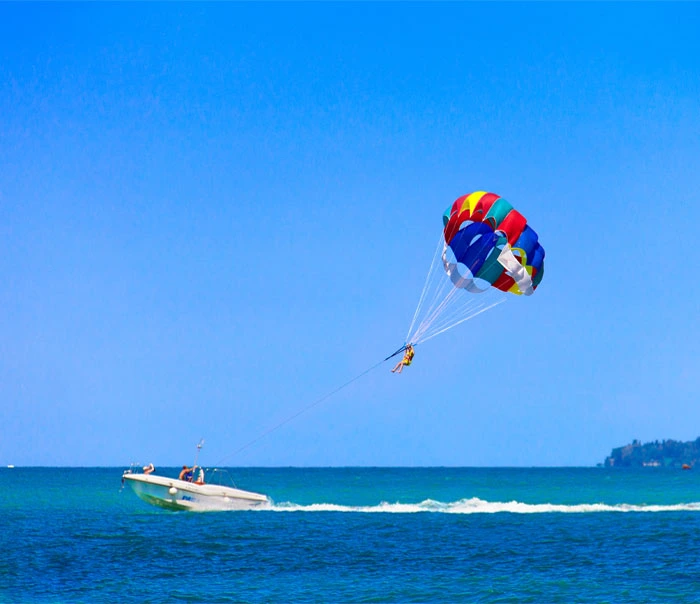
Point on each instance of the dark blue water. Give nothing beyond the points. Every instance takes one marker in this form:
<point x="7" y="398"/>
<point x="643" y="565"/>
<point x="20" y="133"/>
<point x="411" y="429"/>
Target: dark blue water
<point x="358" y="535"/>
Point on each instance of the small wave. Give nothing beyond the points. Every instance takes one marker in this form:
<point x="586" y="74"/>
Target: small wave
<point x="479" y="506"/>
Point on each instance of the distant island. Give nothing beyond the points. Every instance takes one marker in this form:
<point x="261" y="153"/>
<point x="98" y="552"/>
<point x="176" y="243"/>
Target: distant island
<point x="663" y="453"/>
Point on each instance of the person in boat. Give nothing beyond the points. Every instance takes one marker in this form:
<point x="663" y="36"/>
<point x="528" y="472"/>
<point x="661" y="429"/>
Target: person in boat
<point x="186" y="473"/>
<point x="149" y="469"/>
<point x="406" y="361"/>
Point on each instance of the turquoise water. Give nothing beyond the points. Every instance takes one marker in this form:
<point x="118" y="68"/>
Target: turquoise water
<point x="358" y="535"/>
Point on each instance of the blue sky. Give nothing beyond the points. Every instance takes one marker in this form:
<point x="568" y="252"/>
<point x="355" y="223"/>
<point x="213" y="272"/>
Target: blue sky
<point x="211" y="215"/>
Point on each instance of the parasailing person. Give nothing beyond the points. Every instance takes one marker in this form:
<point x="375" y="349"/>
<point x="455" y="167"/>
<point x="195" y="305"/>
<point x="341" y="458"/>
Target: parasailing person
<point x="406" y="360"/>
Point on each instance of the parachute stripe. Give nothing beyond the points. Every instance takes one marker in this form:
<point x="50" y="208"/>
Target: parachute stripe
<point x="471" y="200"/>
<point x="492" y="268"/>
<point x="472" y="245"/>
<point x="504" y="282"/>
<point x="499" y="210"/>
<point x="537" y="259"/>
<point x="537" y="276"/>
<point x="483" y="206"/>
<point x="526" y="244"/>
<point x="512" y="225"/>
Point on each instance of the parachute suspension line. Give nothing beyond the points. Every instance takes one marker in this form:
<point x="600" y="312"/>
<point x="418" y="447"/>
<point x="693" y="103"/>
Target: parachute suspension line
<point x="478" y="312"/>
<point x="443" y="289"/>
<point x="455" y="308"/>
<point x="434" y="312"/>
<point x="442" y="305"/>
<point x="443" y="294"/>
<point x="456" y="311"/>
<point x="426" y="286"/>
<point x="292" y="417"/>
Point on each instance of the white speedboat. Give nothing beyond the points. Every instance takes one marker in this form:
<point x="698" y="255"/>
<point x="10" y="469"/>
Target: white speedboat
<point x="175" y="494"/>
<point x="191" y="494"/>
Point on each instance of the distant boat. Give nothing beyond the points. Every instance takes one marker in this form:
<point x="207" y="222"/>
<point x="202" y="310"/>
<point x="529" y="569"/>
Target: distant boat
<point x="10" y="466"/>
<point x="685" y="466"/>
<point x="175" y="494"/>
<point x="188" y="494"/>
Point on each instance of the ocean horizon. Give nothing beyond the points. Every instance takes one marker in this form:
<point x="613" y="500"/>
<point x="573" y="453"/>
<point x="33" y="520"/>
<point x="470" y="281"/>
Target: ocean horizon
<point x="358" y="534"/>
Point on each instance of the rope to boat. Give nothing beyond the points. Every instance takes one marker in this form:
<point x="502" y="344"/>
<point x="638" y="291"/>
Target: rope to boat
<point x="300" y="412"/>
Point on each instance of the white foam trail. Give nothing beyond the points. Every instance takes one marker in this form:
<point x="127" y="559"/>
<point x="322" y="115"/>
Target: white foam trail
<point x="479" y="506"/>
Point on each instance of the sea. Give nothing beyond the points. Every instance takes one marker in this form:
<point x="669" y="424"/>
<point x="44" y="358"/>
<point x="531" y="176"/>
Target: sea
<point x="358" y="535"/>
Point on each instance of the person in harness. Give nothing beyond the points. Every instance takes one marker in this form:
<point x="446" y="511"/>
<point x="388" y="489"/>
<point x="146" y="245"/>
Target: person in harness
<point x="406" y="361"/>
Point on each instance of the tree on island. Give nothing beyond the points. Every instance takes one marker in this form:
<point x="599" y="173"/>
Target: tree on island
<point x="666" y="453"/>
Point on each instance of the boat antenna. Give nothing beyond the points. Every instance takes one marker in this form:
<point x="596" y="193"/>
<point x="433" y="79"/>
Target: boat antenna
<point x="200" y="444"/>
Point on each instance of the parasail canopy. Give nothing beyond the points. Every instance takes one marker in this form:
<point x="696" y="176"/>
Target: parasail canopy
<point x="491" y="241"/>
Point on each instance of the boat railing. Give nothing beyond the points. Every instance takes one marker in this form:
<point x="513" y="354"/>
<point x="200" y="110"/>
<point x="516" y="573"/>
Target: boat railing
<point x="220" y="477"/>
<point x="133" y="468"/>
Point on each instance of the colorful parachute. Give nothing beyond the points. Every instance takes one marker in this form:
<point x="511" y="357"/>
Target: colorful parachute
<point x="494" y="243"/>
<point x="486" y="248"/>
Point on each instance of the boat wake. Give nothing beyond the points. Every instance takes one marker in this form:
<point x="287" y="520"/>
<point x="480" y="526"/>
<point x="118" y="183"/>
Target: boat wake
<point x="479" y="506"/>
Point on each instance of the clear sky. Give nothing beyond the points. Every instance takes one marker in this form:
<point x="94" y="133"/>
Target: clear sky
<point x="211" y="215"/>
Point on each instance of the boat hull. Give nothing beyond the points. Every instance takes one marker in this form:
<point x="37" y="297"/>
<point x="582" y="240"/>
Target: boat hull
<point x="173" y="494"/>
